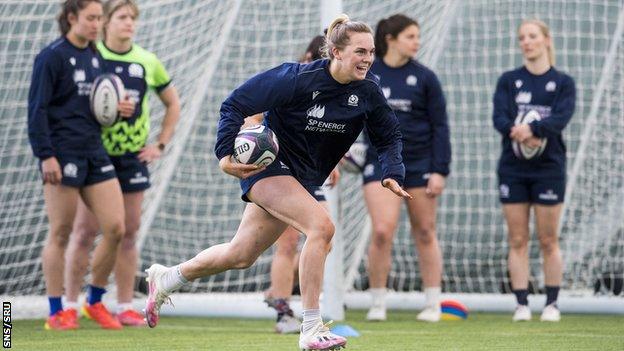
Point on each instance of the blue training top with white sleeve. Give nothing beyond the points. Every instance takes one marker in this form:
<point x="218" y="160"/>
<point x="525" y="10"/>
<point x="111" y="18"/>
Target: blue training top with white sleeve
<point x="315" y="118"/>
<point x="553" y="96"/>
<point x="415" y="95"/>
<point x="60" y="121"/>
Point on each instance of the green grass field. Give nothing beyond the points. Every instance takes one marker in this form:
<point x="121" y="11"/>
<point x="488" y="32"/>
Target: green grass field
<point x="401" y="332"/>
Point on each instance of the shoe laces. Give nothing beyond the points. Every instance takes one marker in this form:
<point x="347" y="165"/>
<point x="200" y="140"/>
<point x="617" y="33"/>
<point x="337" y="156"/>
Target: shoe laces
<point x="161" y="299"/>
<point x="323" y="330"/>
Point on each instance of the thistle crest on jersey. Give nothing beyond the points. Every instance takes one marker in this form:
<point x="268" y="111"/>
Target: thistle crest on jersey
<point x="256" y="145"/>
<point x="522" y="151"/>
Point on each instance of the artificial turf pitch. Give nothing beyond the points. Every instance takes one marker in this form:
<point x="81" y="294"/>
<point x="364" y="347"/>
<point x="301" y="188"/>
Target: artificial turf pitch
<point x="481" y="331"/>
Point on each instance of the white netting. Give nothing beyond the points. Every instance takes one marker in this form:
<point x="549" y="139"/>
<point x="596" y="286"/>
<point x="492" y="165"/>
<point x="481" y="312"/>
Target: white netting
<point x="478" y="44"/>
<point x="210" y="47"/>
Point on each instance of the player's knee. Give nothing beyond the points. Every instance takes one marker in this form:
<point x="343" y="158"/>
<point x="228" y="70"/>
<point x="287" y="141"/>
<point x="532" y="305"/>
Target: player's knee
<point x="59" y="234"/>
<point x="425" y="235"/>
<point x="132" y="228"/>
<point x="83" y="237"/>
<point x="518" y="243"/>
<point x="549" y="244"/>
<point x="115" y="230"/>
<point x="288" y="246"/>
<point x="382" y="235"/>
<point x="128" y="242"/>
<point x="325" y="230"/>
<point x="380" y="240"/>
<point x="244" y="261"/>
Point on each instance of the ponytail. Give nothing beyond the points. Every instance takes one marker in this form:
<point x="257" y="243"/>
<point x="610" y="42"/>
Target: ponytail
<point x="391" y="26"/>
<point x="338" y="34"/>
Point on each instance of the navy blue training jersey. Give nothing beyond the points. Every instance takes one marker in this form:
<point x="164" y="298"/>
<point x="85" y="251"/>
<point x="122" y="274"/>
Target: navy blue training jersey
<point x="553" y="96"/>
<point x="414" y="93"/>
<point x="59" y="117"/>
<point x="315" y="118"/>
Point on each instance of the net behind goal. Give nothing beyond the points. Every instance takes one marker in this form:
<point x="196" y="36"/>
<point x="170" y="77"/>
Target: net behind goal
<point x="210" y="47"/>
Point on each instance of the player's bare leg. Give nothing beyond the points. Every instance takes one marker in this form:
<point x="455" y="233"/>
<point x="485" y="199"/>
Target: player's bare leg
<point x="105" y="200"/>
<point x="282" y="277"/>
<point x="60" y="204"/>
<point x="384" y="209"/>
<point x="517" y="217"/>
<point x="547" y="223"/>
<point x="422" y="214"/>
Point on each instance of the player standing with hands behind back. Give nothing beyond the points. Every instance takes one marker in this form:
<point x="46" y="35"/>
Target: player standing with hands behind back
<point x="350" y="99"/>
<point x="536" y="180"/>
<point x="65" y="136"/>
<point x="414" y="93"/>
<point x="125" y="143"/>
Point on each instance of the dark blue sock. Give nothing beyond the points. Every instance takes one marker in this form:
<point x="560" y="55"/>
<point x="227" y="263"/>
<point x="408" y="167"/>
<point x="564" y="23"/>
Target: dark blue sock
<point x="94" y="294"/>
<point x="522" y="296"/>
<point x="552" y="292"/>
<point x="55" y="304"/>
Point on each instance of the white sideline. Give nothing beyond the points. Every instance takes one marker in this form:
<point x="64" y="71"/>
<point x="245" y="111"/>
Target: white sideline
<point x="251" y="305"/>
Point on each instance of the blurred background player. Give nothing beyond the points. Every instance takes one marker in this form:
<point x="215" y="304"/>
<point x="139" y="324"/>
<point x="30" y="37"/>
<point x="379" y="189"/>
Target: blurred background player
<point x="140" y="71"/>
<point x="65" y="136"/>
<point x="538" y="182"/>
<point x="286" y="258"/>
<point x="414" y="94"/>
<point x="350" y="99"/>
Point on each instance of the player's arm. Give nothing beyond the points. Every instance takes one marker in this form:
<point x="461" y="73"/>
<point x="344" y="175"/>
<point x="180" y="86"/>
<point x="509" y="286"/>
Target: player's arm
<point x="436" y="107"/>
<point x="168" y="95"/>
<point x="441" y="150"/>
<point x="45" y="72"/>
<point x="170" y="98"/>
<point x="260" y="93"/>
<point x="383" y="131"/>
<point x="501" y="115"/>
<point x="562" y="112"/>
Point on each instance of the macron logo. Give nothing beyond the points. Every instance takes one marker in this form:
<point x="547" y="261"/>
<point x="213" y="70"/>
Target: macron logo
<point x="315" y="94"/>
<point x="316" y="111"/>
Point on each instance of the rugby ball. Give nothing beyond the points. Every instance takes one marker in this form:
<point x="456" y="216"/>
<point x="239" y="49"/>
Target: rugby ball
<point x="355" y="159"/>
<point x="522" y="151"/>
<point x="256" y="145"/>
<point x="106" y="92"/>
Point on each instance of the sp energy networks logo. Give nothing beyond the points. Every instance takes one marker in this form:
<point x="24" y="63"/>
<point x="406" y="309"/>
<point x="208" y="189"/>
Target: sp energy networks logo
<point x="316" y="111"/>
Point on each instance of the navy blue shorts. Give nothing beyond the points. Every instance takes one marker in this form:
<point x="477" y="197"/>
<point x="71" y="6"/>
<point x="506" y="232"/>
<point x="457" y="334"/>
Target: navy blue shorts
<point x="416" y="172"/>
<point x="81" y="171"/>
<point x="277" y="168"/>
<point x="132" y="172"/>
<point x="542" y="191"/>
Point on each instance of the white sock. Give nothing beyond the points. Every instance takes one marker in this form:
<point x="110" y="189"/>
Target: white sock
<point x="173" y="279"/>
<point x="432" y="296"/>
<point x="72" y="304"/>
<point x="124" y="306"/>
<point x="310" y="319"/>
<point x="378" y="295"/>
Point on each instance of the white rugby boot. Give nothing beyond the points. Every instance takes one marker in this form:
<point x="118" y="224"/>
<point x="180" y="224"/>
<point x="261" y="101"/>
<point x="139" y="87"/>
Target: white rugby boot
<point x="157" y="295"/>
<point x="550" y="313"/>
<point x="377" y="313"/>
<point x="321" y="338"/>
<point x="523" y="313"/>
<point x="430" y="314"/>
<point x="287" y="325"/>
